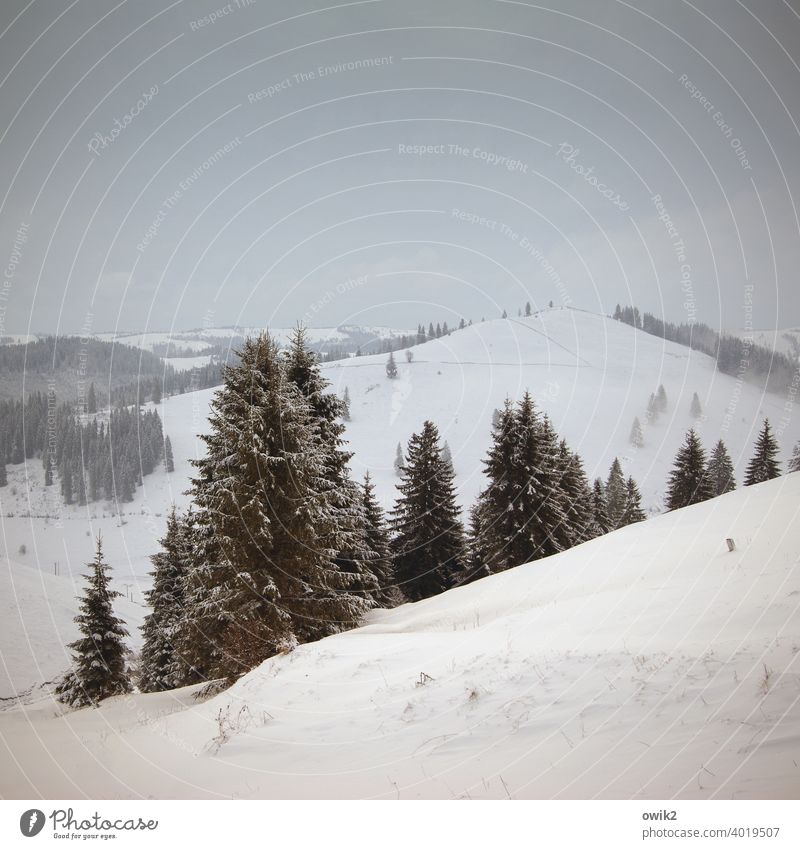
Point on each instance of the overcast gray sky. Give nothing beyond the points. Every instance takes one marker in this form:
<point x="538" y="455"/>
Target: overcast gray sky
<point x="391" y="161"/>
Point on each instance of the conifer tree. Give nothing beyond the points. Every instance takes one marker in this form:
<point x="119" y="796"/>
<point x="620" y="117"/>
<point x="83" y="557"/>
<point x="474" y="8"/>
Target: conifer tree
<point x="578" y="501"/>
<point x="99" y="669"/>
<point x="661" y="399"/>
<point x="720" y="473"/>
<point x="428" y="538"/>
<point x="169" y="460"/>
<point x="763" y="466"/>
<point x="652" y="409"/>
<point x="505" y="314"/>
<point x="696" y="408"/>
<point x="794" y="462"/>
<point x="528" y="308"/>
<point x="688" y="483"/>
<point x="399" y="460"/>
<point x="160" y="665"/>
<point x="346" y="405"/>
<point x="602" y="522"/>
<point x="378" y="543"/>
<point x="264" y="493"/>
<point x="447" y="454"/>
<point x="636" y="437"/>
<point x="391" y="367"/>
<point x="616" y="493"/>
<point x="91" y="399"/>
<point x="633" y="504"/>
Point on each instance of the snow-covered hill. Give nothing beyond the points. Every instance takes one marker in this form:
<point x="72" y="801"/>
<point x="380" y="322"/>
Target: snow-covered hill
<point x="590" y="373"/>
<point x="649" y="663"/>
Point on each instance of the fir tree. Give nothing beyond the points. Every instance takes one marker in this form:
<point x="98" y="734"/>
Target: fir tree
<point x="391" y="367"/>
<point x="794" y="462"/>
<point x="99" y="668"/>
<point x="578" y="501"/>
<point x="447" y="454"/>
<point x="428" y="539"/>
<point x="616" y="493"/>
<point x="263" y="489"/>
<point x="160" y="666"/>
<point x="169" y="460"/>
<point x="346" y="405"/>
<point x="652" y="409"/>
<point x="602" y="522"/>
<point x="378" y="543"/>
<point x="399" y="460"/>
<point x="636" y="437"/>
<point x="528" y="308"/>
<point x="505" y="314"/>
<point x="695" y="408"/>
<point x="763" y="466"/>
<point x="688" y="483"/>
<point x="633" y="504"/>
<point x="661" y="399"/>
<point x="91" y="400"/>
<point x="720" y="473"/>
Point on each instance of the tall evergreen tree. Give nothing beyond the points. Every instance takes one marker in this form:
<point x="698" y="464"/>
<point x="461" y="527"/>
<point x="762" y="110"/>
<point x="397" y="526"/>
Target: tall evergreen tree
<point x="578" y="501"/>
<point x="696" y="408"/>
<point x="763" y="466"/>
<point x="661" y="399"/>
<point x="527" y="308"/>
<point x="428" y="538"/>
<point x="688" y="483"/>
<point x="169" y="460"/>
<point x="391" y="367"/>
<point x="616" y="492"/>
<point x="378" y="543"/>
<point x="99" y="668"/>
<point x="720" y="473"/>
<point x="346" y="405"/>
<point x="602" y="522"/>
<point x="160" y="666"/>
<point x="794" y="462"/>
<point x="91" y="399"/>
<point x="633" y="504"/>
<point x="264" y="492"/>
<point x="636" y="437"/>
<point x="399" y="460"/>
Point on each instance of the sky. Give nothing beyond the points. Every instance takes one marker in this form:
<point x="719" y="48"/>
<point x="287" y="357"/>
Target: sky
<point x="387" y="162"/>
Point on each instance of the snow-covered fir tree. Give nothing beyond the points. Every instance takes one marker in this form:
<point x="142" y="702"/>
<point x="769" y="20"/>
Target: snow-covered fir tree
<point x="391" y="367"/>
<point x="633" y="504"/>
<point x="99" y="669"/>
<point x="447" y="454"/>
<point x="346" y="404"/>
<point x="169" y="459"/>
<point x="263" y="491"/>
<point x="696" y="408"/>
<point x="378" y="542"/>
<point x="688" y="482"/>
<point x="577" y="496"/>
<point x="601" y="520"/>
<point x="428" y="544"/>
<point x="652" y="409"/>
<point x="719" y="471"/>
<point x="616" y="493"/>
<point x="661" y="399"/>
<point x="160" y="666"/>
<point x="636" y="437"/>
<point x="399" y="460"/>
<point x="763" y="466"/>
<point x="794" y="460"/>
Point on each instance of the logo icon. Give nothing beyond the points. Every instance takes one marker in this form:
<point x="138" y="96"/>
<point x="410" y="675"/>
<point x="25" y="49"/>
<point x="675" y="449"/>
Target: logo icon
<point x="31" y="822"/>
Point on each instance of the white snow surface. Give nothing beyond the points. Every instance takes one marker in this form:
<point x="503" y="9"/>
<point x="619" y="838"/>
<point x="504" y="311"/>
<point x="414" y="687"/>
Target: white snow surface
<point x="649" y="663"/>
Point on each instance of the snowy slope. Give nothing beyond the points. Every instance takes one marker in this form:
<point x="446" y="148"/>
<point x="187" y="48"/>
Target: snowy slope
<point x="592" y="375"/>
<point x="650" y="663"/>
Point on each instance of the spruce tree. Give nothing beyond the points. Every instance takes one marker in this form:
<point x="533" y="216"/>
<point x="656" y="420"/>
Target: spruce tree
<point x="160" y="665"/>
<point x="263" y="492"/>
<point x="602" y="522"/>
<point x="169" y="460"/>
<point x="688" y="483"/>
<point x="696" y="408"/>
<point x="652" y="409"/>
<point x="399" y="460"/>
<point x="661" y="399"/>
<point x="91" y="400"/>
<point x="616" y="493"/>
<point x="99" y="669"/>
<point x="794" y="462"/>
<point x="636" y="437"/>
<point x="447" y="454"/>
<point x="346" y="405"/>
<point x="528" y="308"/>
<point x="378" y="543"/>
<point x="763" y="466"/>
<point x="578" y="501"/>
<point x="391" y="367"/>
<point x="428" y="539"/>
<point x="633" y="504"/>
<point x="720" y="473"/>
